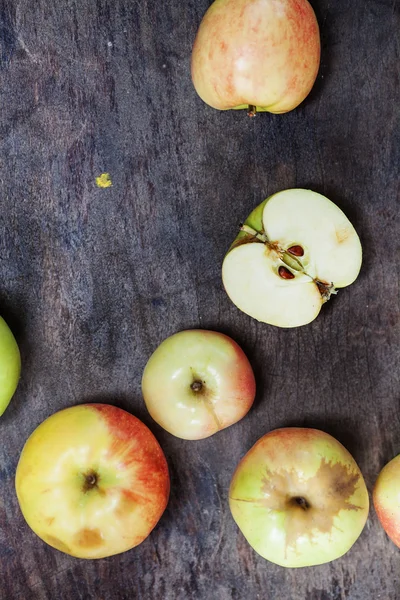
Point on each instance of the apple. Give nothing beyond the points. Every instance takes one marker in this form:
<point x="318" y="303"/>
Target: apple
<point x="10" y="365"/>
<point x="198" y="382"/>
<point x="261" y="55"/>
<point x="299" y="497"/>
<point x="293" y="252"/>
<point x="386" y="498"/>
<point x="92" y="481"/>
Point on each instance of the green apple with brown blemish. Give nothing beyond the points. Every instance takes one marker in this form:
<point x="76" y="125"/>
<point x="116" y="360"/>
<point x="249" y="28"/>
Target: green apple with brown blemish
<point x="299" y="497"/>
<point x="10" y="365"/>
<point x="92" y="481"/>
<point x="260" y="55"/>
<point x="198" y="382"/>
<point x="293" y="252"/>
<point x="386" y="497"/>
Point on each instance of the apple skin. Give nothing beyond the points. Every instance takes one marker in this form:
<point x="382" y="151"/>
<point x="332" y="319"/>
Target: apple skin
<point x="386" y="499"/>
<point x="61" y="502"/>
<point x="227" y="383"/>
<point x="262" y="53"/>
<point x="284" y="468"/>
<point x="10" y="365"/>
<point x="254" y="220"/>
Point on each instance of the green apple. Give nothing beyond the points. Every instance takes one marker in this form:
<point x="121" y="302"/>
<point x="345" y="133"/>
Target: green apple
<point x="386" y="497"/>
<point x="10" y="365"/>
<point x="294" y="251"/>
<point x="262" y="55"/>
<point x="299" y="497"/>
<point x="198" y="382"/>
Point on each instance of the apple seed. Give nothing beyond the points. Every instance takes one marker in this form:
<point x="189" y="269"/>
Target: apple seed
<point x="285" y="273"/>
<point x="296" y="250"/>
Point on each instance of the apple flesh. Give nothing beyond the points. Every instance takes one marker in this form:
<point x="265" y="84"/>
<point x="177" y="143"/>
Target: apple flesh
<point x="293" y="252"/>
<point x="10" y="365"/>
<point x="262" y="55"/>
<point x="198" y="382"/>
<point x="299" y="497"/>
<point x="92" y="481"/>
<point x="386" y="498"/>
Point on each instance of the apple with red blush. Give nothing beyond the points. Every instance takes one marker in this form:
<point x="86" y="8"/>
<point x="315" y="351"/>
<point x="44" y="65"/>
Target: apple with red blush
<point x="92" y="481"/>
<point x="260" y="55"/>
<point x="198" y="382"/>
<point x="386" y="498"/>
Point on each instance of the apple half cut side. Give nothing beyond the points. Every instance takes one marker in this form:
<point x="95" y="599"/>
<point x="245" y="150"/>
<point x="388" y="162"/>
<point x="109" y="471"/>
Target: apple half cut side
<point x="299" y="497"/>
<point x="293" y="252"/>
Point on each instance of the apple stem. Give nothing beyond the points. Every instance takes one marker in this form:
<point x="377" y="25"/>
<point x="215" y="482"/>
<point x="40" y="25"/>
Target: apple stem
<point x="260" y="236"/>
<point x="252" y="111"/>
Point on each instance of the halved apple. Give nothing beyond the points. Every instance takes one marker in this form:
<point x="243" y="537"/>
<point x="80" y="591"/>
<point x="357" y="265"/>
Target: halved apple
<point x="293" y="252"/>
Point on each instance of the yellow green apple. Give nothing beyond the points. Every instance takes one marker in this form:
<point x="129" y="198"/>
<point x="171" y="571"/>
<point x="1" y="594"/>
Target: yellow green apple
<point x="10" y="365"/>
<point x="293" y="252"/>
<point x="198" y="382"/>
<point x="299" y="497"/>
<point x="92" y="481"/>
<point x="386" y="498"/>
<point x="262" y="55"/>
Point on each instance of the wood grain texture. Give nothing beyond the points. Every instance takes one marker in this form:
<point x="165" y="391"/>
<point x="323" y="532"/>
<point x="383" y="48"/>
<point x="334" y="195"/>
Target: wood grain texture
<point x="92" y="280"/>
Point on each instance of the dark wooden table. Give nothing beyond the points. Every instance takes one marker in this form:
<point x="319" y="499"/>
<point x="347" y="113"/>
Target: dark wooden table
<point x="92" y="279"/>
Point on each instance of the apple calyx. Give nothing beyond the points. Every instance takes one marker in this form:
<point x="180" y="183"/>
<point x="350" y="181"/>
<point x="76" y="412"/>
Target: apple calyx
<point x="90" y="481"/>
<point x="252" y="111"/>
<point x="291" y="259"/>
<point x="301" y="502"/>
<point x="196" y="386"/>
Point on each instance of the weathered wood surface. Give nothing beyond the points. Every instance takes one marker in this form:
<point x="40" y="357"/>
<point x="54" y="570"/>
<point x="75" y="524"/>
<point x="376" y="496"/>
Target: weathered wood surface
<point x="92" y="280"/>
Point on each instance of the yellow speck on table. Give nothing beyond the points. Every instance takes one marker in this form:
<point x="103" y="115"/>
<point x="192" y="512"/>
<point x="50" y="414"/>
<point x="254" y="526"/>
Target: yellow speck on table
<point x="104" y="180"/>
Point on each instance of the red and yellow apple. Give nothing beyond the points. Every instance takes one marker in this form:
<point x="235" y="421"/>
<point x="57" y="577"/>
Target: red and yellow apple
<point x="92" y="481"/>
<point x="10" y="365"/>
<point x="386" y="498"/>
<point x="198" y="382"/>
<point x="299" y="497"/>
<point x="262" y="55"/>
